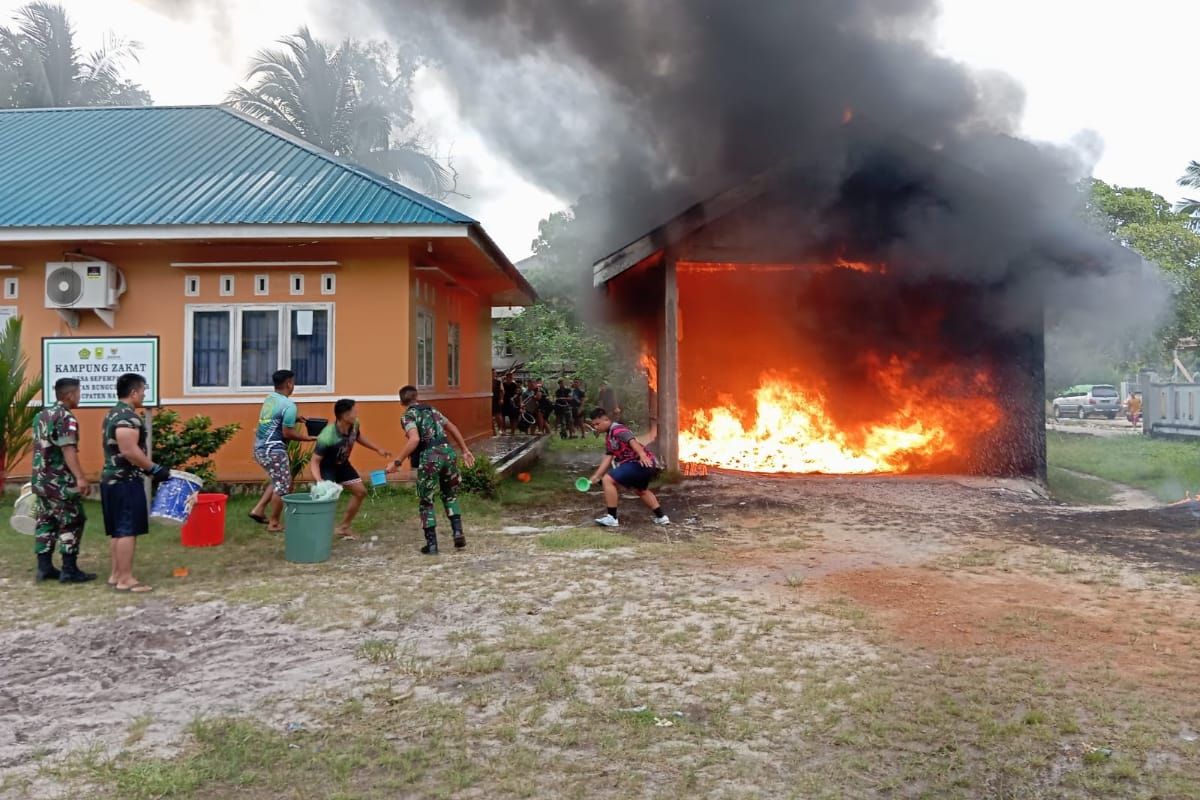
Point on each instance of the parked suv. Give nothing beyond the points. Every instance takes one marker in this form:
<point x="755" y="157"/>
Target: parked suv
<point x="1088" y="400"/>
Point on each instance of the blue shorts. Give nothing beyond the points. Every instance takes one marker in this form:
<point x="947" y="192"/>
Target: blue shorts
<point x="633" y="475"/>
<point x="124" y="507"/>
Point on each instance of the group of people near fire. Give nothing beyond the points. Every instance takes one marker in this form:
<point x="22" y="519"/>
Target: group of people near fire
<point x="60" y="485"/>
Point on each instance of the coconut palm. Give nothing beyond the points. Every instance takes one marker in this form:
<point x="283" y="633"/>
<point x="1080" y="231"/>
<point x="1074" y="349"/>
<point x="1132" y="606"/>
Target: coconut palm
<point x="16" y="398"/>
<point x="343" y="99"/>
<point x="1191" y="180"/>
<point x="41" y="66"/>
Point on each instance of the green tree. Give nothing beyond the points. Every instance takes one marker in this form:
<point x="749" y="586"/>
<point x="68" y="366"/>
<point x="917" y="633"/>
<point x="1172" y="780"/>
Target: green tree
<point x="352" y="99"/>
<point x="41" y="66"/>
<point x="188" y="445"/>
<point x="16" y="396"/>
<point x="1148" y="224"/>
<point x="1189" y="206"/>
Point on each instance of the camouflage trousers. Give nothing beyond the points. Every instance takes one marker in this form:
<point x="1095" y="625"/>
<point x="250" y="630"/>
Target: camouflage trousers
<point x="59" y="521"/>
<point x="438" y="470"/>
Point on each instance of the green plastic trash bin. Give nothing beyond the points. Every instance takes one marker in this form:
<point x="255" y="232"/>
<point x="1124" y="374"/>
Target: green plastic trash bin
<point x="307" y="528"/>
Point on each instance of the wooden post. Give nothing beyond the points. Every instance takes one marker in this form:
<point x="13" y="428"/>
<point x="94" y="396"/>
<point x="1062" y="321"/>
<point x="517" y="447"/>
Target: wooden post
<point x="668" y="367"/>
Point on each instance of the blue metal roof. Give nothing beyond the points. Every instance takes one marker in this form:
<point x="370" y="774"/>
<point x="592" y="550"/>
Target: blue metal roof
<point x="193" y="165"/>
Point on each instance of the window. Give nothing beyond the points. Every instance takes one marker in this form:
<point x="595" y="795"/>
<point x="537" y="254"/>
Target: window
<point x="226" y="286"/>
<point x="453" y="353"/>
<point x="297" y="285"/>
<point x="262" y="285"/>
<point x="424" y="339"/>
<point x="260" y="346"/>
<point x="210" y="348"/>
<point x="191" y="285"/>
<point x="11" y="288"/>
<point x="328" y="284"/>
<point x="238" y="347"/>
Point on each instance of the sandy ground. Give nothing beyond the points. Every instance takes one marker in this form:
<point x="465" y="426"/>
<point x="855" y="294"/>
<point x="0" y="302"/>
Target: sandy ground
<point x="945" y="564"/>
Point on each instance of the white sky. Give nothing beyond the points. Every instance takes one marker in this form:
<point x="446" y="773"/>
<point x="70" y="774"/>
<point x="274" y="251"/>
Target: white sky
<point x="1115" y="67"/>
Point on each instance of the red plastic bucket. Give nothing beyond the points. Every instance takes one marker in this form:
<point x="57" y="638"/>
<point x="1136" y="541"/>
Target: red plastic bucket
<point x="205" y="526"/>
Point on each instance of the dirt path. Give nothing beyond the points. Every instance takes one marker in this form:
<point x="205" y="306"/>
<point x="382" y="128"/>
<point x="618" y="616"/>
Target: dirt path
<point x="1123" y="496"/>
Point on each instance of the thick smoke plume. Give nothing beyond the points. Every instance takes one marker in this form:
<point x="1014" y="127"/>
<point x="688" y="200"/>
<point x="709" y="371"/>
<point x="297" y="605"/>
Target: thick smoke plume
<point x="638" y="108"/>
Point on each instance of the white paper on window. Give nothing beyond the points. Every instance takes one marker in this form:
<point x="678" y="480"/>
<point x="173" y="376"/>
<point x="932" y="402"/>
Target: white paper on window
<point x="304" y="322"/>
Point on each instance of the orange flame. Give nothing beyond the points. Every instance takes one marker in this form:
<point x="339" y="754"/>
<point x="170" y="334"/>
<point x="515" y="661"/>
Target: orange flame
<point x="859" y="266"/>
<point x="793" y="431"/>
<point x="847" y="115"/>
<point x="649" y="365"/>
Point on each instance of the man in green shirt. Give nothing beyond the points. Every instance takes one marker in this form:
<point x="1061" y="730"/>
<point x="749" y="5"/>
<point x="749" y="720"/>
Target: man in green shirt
<point x="122" y="492"/>
<point x="331" y="458"/>
<point x="60" y="486"/>
<point x="276" y="427"/>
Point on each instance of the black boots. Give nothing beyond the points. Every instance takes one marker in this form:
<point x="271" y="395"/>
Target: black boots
<point x="45" y="568"/>
<point x="71" y="572"/>
<point x="430" y="548"/>
<point x="460" y="541"/>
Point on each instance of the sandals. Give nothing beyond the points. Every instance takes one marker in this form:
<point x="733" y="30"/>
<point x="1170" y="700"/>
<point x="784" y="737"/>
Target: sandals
<point x="346" y="536"/>
<point x="259" y="518"/>
<point x="137" y="588"/>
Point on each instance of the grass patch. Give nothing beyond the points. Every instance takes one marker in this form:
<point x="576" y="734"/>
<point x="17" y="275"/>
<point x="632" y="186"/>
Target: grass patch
<point x="583" y="539"/>
<point x="1068" y="487"/>
<point x="1168" y="469"/>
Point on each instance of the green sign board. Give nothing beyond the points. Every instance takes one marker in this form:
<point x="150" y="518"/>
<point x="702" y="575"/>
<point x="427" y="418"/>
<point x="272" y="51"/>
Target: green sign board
<point x="97" y="363"/>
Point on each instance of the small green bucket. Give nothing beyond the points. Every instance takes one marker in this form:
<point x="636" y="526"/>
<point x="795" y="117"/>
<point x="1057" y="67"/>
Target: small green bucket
<point x="308" y="528"/>
<point x="583" y="484"/>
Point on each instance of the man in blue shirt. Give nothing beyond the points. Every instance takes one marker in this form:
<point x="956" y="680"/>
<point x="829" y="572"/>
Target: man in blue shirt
<point x="276" y="427"/>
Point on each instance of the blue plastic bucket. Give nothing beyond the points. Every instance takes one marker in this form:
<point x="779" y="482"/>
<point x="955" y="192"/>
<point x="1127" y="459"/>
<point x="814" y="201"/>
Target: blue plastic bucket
<point x="175" y="497"/>
<point x="378" y="478"/>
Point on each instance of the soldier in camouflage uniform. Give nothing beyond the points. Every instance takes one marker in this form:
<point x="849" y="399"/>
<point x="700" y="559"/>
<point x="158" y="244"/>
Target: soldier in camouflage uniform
<point x="435" y="464"/>
<point x="60" y="486"/>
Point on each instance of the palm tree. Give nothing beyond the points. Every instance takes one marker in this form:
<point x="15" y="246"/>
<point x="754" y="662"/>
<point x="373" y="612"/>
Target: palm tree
<point x="1191" y="179"/>
<point x="320" y="94"/>
<point x="41" y="66"/>
<point x="16" y="398"/>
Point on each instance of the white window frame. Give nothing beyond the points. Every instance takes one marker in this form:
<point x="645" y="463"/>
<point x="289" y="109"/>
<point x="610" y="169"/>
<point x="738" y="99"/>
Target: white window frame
<point x="262" y="285"/>
<point x="431" y="346"/>
<point x="235" y="346"/>
<point x="191" y="285"/>
<point x="228" y="285"/>
<point x="296" y="285"/>
<point x="329" y="283"/>
<point x="12" y="288"/>
<point x="453" y="355"/>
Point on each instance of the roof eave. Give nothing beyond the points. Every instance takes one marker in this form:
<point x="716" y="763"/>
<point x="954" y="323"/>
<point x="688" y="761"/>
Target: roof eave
<point x="232" y="232"/>
<point x="484" y="242"/>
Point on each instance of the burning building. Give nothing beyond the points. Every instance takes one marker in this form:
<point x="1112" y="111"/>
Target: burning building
<point x="782" y="337"/>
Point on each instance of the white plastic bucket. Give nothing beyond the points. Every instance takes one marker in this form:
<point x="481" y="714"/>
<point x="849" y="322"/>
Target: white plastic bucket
<point x="24" y="516"/>
<point x="175" y="497"/>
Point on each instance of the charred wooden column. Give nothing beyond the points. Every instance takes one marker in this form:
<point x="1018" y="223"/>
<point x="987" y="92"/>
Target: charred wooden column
<point x="668" y="367"/>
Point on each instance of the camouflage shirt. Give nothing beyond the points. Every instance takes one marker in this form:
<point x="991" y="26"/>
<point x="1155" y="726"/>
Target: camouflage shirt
<point x="117" y="468"/>
<point x="53" y="429"/>
<point x="428" y="422"/>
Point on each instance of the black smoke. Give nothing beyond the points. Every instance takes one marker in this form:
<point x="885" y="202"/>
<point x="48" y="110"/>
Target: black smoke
<point x="636" y="109"/>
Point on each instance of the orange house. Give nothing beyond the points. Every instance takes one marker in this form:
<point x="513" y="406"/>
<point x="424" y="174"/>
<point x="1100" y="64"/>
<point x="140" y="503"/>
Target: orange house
<point x="244" y="250"/>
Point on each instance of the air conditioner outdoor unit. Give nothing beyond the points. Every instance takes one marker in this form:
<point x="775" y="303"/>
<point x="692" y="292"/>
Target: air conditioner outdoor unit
<point x="83" y="284"/>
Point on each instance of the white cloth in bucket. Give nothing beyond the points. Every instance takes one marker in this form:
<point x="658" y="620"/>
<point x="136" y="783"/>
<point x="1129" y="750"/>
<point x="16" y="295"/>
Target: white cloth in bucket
<point x="24" y="516"/>
<point x="175" y="498"/>
<point x="325" y="490"/>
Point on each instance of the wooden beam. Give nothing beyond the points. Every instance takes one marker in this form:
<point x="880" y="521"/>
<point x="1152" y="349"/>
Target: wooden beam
<point x="668" y="367"/>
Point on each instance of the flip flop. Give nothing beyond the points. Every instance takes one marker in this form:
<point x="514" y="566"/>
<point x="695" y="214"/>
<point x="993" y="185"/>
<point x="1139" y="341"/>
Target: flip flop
<point x="137" y="588"/>
<point x="261" y="520"/>
<point x="346" y="536"/>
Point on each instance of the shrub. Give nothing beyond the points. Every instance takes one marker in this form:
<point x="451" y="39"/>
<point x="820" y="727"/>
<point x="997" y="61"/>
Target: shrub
<point x="481" y="479"/>
<point x="188" y="445"/>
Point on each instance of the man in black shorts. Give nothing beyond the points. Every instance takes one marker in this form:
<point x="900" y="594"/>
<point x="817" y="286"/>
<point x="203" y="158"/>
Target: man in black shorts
<point x="331" y="459"/>
<point x="633" y="467"/>
<point x="122" y="492"/>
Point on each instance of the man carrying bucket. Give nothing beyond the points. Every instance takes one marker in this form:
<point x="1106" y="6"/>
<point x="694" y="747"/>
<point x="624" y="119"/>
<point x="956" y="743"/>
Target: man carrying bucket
<point x="276" y="425"/>
<point x="60" y="486"/>
<point x="331" y="459"/>
<point x="122" y="494"/>
<point x="436" y="465"/>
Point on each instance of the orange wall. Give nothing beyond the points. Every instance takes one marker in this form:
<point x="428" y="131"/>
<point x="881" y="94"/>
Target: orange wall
<point x="373" y="345"/>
